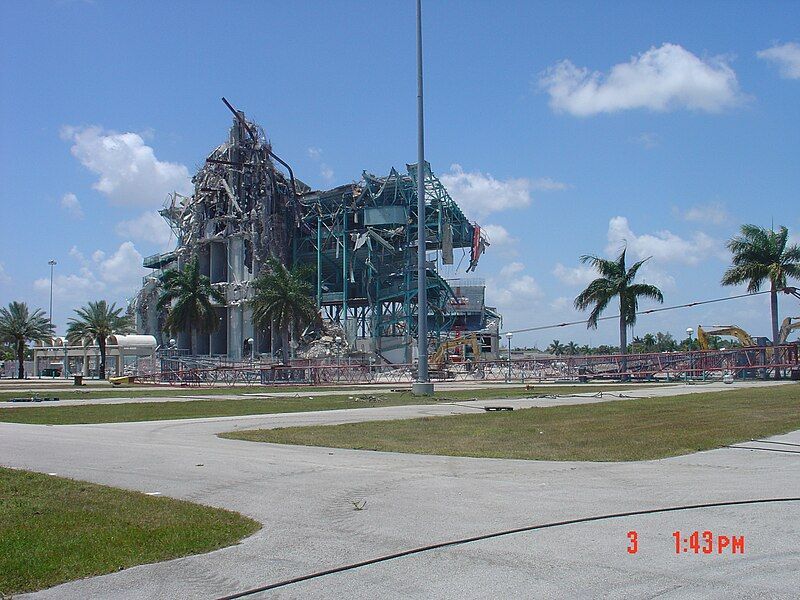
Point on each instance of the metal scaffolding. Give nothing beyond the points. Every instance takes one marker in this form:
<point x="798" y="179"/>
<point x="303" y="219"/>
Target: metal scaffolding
<point x="362" y="238"/>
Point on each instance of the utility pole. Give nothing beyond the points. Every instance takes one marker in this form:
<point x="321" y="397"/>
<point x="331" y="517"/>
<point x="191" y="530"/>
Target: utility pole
<point x="423" y="386"/>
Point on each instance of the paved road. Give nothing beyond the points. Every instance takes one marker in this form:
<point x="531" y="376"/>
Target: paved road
<point x="304" y="496"/>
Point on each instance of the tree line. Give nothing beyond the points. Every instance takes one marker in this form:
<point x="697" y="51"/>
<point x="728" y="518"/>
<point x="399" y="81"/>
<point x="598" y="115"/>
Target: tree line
<point x="649" y="342"/>
<point x="282" y="298"/>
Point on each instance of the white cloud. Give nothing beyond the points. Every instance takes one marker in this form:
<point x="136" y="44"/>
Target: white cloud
<point x="4" y="277"/>
<point x="498" y="235"/>
<point x="512" y="288"/>
<point x="577" y="276"/>
<point x="713" y="212"/>
<point x="786" y="56"/>
<point x="77" y="255"/>
<point x="511" y="269"/>
<point x="314" y="152"/>
<point x="562" y="304"/>
<point x="127" y="168"/>
<point x="78" y="287"/>
<point x="119" y="274"/>
<point x="71" y="204"/>
<point x="326" y="172"/>
<point x="124" y="267"/>
<point x="147" y="227"/>
<point x="547" y="184"/>
<point x="479" y="194"/>
<point x="660" y="79"/>
<point x="663" y="246"/>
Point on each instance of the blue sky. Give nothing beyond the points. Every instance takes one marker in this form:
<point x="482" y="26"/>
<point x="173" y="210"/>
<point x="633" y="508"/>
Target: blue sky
<point x="563" y="127"/>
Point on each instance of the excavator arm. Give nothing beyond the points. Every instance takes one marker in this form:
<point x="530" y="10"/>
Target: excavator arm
<point x="787" y="327"/>
<point x="729" y="330"/>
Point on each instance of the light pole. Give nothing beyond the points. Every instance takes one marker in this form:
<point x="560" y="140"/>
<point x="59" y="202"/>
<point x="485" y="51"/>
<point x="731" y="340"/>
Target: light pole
<point x="338" y="356"/>
<point x="423" y="386"/>
<point x="251" y="342"/>
<point x="509" y="335"/>
<point x="689" y="332"/>
<point x="52" y="262"/>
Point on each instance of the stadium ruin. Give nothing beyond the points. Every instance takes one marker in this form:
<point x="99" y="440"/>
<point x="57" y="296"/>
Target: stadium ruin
<point x="360" y="240"/>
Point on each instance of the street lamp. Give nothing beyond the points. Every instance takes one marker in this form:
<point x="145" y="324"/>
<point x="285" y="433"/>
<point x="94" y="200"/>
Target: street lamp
<point x="689" y="332"/>
<point x="338" y="356"/>
<point x="422" y="386"/>
<point x="52" y="262"/>
<point x="251" y="342"/>
<point x="509" y="335"/>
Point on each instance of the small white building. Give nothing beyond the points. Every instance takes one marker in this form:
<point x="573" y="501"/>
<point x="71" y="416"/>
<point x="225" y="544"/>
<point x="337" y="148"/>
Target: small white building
<point x="123" y="354"/>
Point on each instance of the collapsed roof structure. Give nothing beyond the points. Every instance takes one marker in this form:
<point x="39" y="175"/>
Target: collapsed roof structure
<point x="360" y="239"/>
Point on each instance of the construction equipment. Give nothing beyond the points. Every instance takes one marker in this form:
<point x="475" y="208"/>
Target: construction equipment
<point x="471" y="341"/>
<point x="787" y="327"/>
<point x="729" y="330"/>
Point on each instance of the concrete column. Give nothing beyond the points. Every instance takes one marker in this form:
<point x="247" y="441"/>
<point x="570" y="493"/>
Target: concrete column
<point x="218" y="341"/>
<point x="235" y="328"/>
<point x="235" y="312"/>
<point x="236" y="259"/>
<point x="248" y="331"/>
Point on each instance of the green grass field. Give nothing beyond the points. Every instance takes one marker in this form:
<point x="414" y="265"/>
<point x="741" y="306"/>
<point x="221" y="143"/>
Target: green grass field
<point x="626" y="430"/>
<point x="139" y="391"/>
<point x="56" y="530"/>
<point x="189" y="409"/>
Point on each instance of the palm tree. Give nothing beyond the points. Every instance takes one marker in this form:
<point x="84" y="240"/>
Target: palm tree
<point x="95" y="322"/>
<point x="761" y="254"/>
<point x="283" y="297"/>
<point x="18" y="326"/>
<point x="572" y="348"/>
<point x="555" y="347"/>
<point x="192" y="294"/>
<point x="615" y="281"/>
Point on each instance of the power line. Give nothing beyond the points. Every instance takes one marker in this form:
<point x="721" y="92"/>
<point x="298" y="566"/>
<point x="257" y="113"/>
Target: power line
<point x="497" y="534"/>
<point x="639" y="312"/>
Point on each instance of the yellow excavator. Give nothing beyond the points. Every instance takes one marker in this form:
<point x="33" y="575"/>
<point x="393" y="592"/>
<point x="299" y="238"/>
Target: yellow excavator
<point x="471" y="341"/>
<point x="745" y="339"/>
<point x="730" y="330"/>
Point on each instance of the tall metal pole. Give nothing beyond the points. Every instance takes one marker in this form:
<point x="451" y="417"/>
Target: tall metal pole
<point x="52" y="263"/>
<point x="319" y="263"/>
<point x="423" y="385"/>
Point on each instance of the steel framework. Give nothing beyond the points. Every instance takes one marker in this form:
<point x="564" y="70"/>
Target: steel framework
<point x="362" y="238"/>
